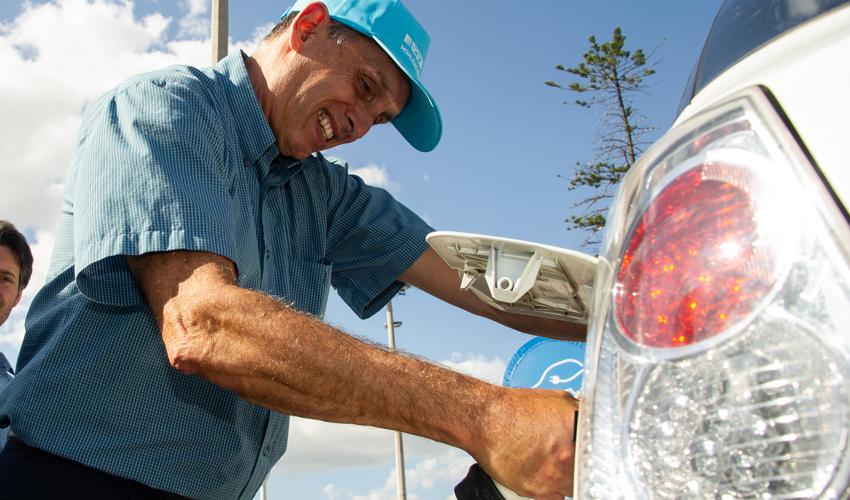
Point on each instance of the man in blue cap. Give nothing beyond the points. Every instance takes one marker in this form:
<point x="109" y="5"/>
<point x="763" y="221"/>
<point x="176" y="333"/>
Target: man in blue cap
<point x="180" y="323"/>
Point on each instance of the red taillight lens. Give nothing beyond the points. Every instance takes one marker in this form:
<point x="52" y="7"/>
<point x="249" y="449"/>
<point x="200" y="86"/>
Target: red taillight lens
<point x="693" y="265"/>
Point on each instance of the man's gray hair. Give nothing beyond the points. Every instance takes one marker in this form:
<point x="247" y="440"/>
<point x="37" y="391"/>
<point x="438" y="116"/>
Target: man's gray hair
<point x="338" y="32"/>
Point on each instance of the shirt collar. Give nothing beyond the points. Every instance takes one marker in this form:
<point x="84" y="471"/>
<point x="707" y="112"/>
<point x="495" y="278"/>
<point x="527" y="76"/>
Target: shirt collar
<point x="281" y="170"/>
<point x="254" y="134"/>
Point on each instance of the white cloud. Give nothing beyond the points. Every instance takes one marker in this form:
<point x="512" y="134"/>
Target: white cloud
<point x="446" y="469"/>
<point x="332" y="492"/>
<point x="437" y="473"/>
<point x="478" y="366"/>
<point x="262" y="30"/>
<point x="314" y="445"/>
<point x="197" y="7"/>
<point x="196" y="23"/>
<point x="372" y="174"/>
<point x="375" y="175"/>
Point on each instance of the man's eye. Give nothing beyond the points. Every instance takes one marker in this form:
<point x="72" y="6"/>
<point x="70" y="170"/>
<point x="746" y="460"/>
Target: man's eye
<point x="366" y="85"/>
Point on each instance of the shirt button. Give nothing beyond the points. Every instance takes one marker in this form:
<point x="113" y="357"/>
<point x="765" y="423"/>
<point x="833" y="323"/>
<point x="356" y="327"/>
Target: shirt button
<point x="266" y="451"/>
<point x="268" y="255"/>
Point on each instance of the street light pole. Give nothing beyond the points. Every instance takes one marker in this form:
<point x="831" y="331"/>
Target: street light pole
<point x="219" y="30"/>
<point x="399" y="448"/>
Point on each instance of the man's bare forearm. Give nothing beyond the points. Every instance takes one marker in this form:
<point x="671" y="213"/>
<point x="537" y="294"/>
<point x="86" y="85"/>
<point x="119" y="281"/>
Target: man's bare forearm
<point x="291" y="362"/>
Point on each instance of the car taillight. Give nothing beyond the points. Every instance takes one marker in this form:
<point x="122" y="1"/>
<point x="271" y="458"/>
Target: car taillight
<point x="719" y="355"/>
<point x="694" y="264"/>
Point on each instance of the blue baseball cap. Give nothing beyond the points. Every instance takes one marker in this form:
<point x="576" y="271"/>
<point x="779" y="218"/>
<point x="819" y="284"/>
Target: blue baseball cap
<point x="395" y="30"/>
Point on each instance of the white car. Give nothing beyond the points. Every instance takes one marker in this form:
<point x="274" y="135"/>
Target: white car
<point x="718" y="360"/>
<point x="718" y="355"/>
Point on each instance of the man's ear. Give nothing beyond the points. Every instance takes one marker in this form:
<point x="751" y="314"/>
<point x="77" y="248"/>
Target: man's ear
<point x="307" y="23"/>
<point x="18" y="298"/>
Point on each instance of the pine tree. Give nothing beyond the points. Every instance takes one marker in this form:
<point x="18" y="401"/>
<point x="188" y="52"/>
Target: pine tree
<point x="608" y="78"/>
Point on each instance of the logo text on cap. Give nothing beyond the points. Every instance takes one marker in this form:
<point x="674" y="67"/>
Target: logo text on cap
<point x="412" y="52"/>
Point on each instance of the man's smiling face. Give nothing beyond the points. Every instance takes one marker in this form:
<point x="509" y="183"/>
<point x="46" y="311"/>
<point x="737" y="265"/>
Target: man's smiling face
<point x="332" y="93"/>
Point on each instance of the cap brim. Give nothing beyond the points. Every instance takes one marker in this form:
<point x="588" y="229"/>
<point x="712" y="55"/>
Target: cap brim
<point x="420" y="122"/>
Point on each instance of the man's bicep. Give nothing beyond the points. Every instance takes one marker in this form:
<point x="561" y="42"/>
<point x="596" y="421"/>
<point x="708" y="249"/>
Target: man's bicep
<point x="179" y="276"/>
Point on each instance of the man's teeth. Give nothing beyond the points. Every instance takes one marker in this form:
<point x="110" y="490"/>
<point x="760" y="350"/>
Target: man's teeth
<point x="325" y="123"/>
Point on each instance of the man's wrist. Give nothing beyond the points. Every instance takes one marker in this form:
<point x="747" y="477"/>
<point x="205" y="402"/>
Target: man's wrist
<point x="486" y="420"/>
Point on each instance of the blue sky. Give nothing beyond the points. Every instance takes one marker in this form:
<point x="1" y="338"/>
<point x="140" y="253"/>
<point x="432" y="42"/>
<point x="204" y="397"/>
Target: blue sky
<point x="507" y="138"/>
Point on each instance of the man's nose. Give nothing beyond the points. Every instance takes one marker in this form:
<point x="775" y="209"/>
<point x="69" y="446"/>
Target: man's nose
<point x="359" y="121"/>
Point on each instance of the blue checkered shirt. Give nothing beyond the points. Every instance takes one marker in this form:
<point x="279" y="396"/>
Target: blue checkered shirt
<point x="183" y="159"/>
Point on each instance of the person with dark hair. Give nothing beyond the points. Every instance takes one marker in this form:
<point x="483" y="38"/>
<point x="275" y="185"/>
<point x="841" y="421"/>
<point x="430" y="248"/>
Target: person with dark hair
<point x="15" y="271"/>
<point x="15" y="267"/>
<point x="201" y="232"/>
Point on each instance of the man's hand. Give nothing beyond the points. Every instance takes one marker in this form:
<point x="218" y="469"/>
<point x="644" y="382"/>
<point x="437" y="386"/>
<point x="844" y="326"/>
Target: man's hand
<point x="529" y="444"/>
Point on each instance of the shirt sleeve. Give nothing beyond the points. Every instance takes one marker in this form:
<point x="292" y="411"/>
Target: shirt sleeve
<point x="372" y="240"/>
<point x="148" y="176"/>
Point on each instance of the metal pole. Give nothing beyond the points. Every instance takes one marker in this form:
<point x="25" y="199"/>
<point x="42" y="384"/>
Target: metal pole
<point x="399" y="448"/>
<point x="264" y="489"/>
<point x="218" y="37"/>
<point x="219" y="30"/>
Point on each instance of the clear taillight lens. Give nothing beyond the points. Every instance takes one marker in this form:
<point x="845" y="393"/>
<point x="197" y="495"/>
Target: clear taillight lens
<point x="719" y="357"/>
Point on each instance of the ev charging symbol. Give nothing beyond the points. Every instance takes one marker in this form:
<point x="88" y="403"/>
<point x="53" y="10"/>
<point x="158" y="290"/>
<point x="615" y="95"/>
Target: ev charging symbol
<point x="547" y="364"/>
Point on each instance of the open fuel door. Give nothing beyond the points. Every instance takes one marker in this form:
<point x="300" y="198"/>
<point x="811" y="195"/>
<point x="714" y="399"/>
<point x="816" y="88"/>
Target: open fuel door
<point x="520" y="276"/>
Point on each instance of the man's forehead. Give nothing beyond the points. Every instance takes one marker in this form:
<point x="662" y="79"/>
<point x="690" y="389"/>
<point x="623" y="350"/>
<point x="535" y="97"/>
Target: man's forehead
<point x="8" y="260"/>
<point x="372" y="53"/>
<point x="388" y="72"/>
<point x="391" y="77"/>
